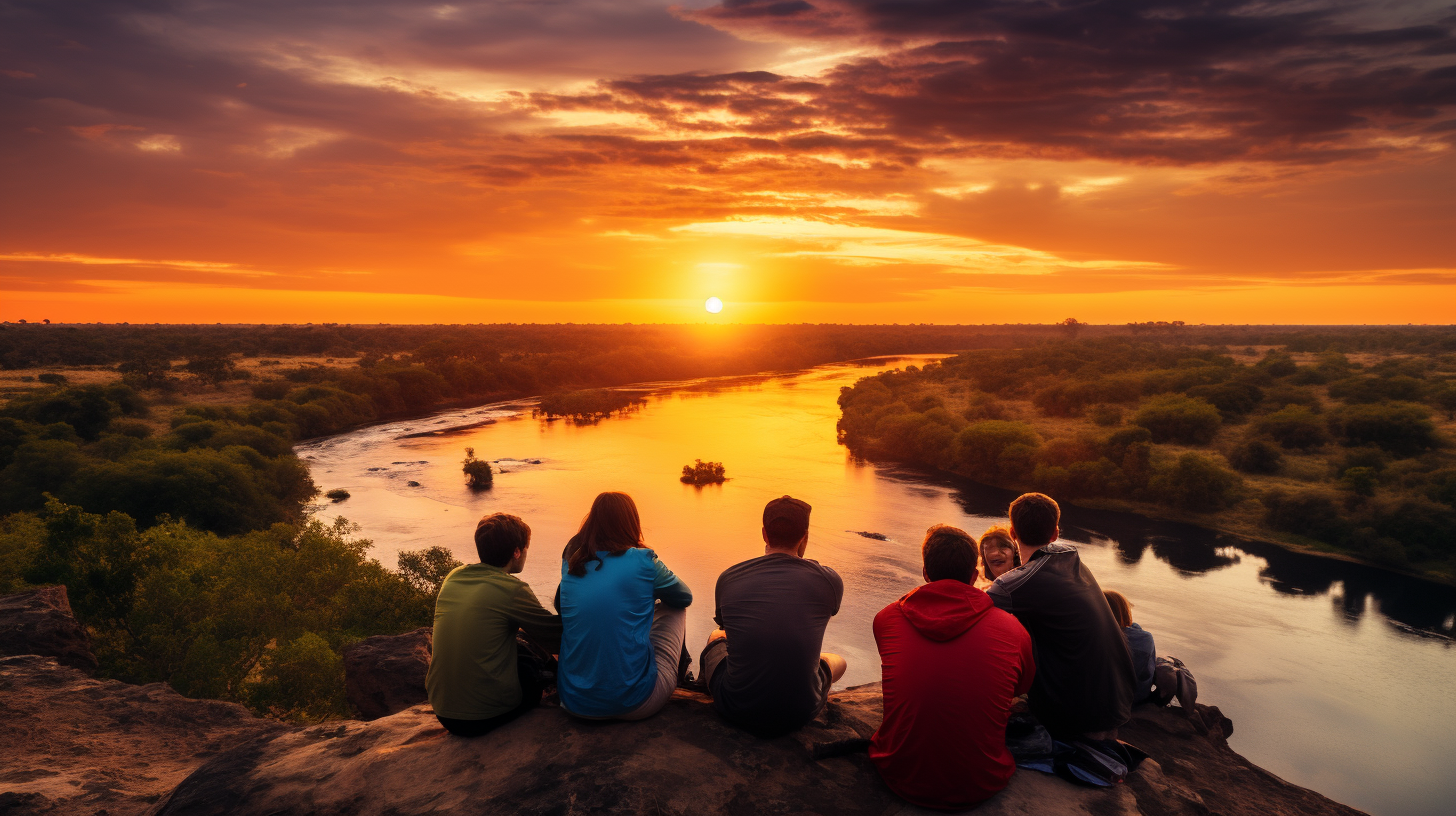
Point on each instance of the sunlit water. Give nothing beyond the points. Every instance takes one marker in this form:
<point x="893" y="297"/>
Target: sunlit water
<point x="1337" y="677"/>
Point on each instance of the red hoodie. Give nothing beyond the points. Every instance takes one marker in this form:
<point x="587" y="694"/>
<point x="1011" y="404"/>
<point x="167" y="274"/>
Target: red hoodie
<point x="951" y="663"/>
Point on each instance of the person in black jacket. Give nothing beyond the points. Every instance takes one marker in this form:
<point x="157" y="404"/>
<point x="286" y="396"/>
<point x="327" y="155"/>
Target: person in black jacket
<point x="1084" y="675"/>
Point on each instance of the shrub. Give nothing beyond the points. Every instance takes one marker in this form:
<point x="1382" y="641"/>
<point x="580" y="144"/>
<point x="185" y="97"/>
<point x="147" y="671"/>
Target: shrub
<point x="1310" y="514"/>
<point x="1360" y="481"/>
<point x="1293" y="426"/>
<point x="587" y="405"/>
<point x="477" y="471"/>
<point x="1197" y="482"/>
<point x="1422" y="527"/>
<point x="1105" y="415"/>
<point x="338" y="494"/>
<point x="1176" y="418"/>
<point x="978" y="449"/>
<point x="426" y="569"/>
<point x="1401" y="428"/>
<point x="52" y="378"/>
<point x="1256" y="456"/>
<point x="1232" y="399"/>
<point x="701" y="473"/>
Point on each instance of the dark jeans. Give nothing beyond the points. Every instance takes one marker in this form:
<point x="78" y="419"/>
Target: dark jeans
<point x="535" y="668"/>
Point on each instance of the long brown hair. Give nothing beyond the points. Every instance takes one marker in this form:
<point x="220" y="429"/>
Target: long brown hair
<point x="612" y="525"/>
<point x="1121" y="607"/>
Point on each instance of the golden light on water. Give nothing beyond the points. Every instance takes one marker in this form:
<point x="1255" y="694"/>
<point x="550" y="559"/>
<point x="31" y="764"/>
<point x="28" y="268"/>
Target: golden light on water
<point x="713" y="305"/>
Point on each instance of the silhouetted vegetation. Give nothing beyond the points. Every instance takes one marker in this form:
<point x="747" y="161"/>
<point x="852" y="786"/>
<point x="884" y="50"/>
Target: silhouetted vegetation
<point x="703" y="473"/>
<point x="1327" y="451"/>
<point x="338" y="494"/>
<point x="478" y="474"/>
<point x="588" y="405"/>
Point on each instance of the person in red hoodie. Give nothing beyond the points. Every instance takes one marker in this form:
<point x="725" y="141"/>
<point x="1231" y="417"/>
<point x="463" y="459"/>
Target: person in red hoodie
<point x="951" y="664"/>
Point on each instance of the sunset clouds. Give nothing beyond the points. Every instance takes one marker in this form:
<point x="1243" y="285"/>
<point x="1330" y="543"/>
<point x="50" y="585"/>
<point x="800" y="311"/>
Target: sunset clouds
<point x="824" y="160"/>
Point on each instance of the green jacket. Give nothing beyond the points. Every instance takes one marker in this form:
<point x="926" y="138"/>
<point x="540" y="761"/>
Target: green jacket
<point x="473" y="663"/>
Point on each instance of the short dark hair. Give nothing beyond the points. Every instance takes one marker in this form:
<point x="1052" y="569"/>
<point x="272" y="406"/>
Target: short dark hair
<point x="498" y="536"/>
<point x="949" y="552"/>
<point x="782" y="532"/>
<point x="1034" y="519"/>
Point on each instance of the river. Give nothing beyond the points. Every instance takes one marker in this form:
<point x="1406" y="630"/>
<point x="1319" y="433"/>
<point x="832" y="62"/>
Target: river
<point x="1337" y="677"/>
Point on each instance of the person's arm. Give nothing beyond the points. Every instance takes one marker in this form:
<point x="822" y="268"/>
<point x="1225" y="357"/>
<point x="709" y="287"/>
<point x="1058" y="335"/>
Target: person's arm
<point x="1000" y="596"/>
<point x="669" y="588"/>
<point x="836" y="587"/>
<point x="541" y="626"/>
<point x="1028" y="666"/>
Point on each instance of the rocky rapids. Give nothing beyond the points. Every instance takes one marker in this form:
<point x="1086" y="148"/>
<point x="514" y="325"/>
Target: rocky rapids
<point x="72" y="744"/>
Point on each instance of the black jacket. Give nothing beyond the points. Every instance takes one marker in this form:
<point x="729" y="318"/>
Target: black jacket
<point x="1084" y="675"/>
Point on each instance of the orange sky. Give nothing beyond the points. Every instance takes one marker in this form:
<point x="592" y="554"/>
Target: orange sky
<point x="821" y="161"/>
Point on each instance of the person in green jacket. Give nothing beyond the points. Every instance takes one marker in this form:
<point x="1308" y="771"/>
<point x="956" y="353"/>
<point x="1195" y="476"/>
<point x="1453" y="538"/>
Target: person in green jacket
<point x="477" y="682"/>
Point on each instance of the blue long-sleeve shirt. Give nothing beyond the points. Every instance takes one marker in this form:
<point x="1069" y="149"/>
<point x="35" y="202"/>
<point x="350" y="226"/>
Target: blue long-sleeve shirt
<point x="607" y="666"/>
<point x="1144" y="660"/>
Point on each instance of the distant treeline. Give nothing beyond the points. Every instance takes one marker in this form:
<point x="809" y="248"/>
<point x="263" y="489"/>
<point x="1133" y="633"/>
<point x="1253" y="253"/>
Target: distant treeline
<point x="1203" y="434"/>
<point x="733" y="348"/>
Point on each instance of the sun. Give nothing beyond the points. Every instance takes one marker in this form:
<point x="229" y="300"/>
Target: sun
<point x="713" y="305"/>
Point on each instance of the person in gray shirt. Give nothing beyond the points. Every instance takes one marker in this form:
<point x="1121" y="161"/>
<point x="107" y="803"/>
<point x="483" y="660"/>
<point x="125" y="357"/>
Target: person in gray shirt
<point x="763" y="665"/>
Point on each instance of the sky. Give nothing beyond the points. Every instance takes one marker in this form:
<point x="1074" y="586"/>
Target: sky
<point x="938" y="161"/>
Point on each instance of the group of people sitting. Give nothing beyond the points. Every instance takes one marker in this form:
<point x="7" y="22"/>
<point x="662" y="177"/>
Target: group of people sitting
<point x="954" y="658"/>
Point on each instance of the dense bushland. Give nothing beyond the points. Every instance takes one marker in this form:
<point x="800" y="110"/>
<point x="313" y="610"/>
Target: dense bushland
<point x="1205" y="434"/>
<point x="259" y="618"/>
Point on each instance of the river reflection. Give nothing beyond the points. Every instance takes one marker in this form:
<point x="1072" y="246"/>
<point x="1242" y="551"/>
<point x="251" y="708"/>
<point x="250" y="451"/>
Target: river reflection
<point x="1336" y="675"/>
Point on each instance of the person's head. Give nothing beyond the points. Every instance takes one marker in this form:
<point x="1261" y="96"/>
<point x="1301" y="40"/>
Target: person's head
<point x="786" y="525"/>
<point x="1035" y="520"/>
<point x="612" y="525"/>
<point x="501" y="540"/>
<point x="1121" y="607"/>
<point x="999" y="553"/>
<point x="948" y="552"/>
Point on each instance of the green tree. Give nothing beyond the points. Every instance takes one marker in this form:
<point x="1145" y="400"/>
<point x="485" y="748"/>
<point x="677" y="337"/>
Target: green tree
<point x="1197" y="482"/>
<point x="1181" y="419"/>
<point x="1295" y="427"/>
<point x="979" y="449"/>
<point x="1256" y="456"/>
<point x="426" y="569"/>
<point x="1402" y="428"/>
<point x="478" y="474"/>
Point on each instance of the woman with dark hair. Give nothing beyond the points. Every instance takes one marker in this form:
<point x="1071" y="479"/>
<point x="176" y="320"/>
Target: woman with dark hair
<point x="623" y="616"/>
<point x="999" y="553"/>
<point x="1139" y="641"/>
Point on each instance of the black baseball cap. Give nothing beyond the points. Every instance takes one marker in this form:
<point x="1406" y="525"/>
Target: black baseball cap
<point x="789" y="509"/>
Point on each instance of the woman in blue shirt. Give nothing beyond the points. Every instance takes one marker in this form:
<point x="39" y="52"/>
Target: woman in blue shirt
<point x="623" y="618"/>
<point x="1139" y="642"/>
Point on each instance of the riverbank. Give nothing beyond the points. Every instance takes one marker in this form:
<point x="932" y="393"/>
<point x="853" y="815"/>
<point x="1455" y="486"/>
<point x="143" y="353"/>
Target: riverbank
<point x="1303" y="451"/>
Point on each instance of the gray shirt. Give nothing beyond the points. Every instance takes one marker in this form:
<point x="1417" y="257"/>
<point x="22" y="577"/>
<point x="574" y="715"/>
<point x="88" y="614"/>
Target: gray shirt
<point x="775" y="609"/>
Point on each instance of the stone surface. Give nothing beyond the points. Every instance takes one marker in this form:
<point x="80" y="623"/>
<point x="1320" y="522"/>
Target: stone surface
<point x="385" y="674"/>
<point x="40" y="622"/>
<point x="686" y="760"/>
<point x="70" y="744"/>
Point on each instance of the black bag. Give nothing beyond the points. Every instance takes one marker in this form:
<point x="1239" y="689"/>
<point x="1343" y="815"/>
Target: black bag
<point x="1173" y="679"/>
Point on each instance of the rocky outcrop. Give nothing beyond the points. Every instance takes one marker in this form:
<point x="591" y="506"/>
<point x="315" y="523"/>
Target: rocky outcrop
<point x="75" y="745"/>
<point x="70" y="744"/>
<point x="385" y="674"/>
<point x="39" y="622"/>
<point x="686" y="760"/>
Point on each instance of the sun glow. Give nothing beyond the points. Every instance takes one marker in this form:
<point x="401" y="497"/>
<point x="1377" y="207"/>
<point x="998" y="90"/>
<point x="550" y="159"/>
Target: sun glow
<point x="713" y="305"/>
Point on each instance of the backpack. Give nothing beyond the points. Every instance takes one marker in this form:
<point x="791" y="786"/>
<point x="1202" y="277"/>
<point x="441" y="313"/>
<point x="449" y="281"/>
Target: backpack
<point x="1173" y="679"/>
